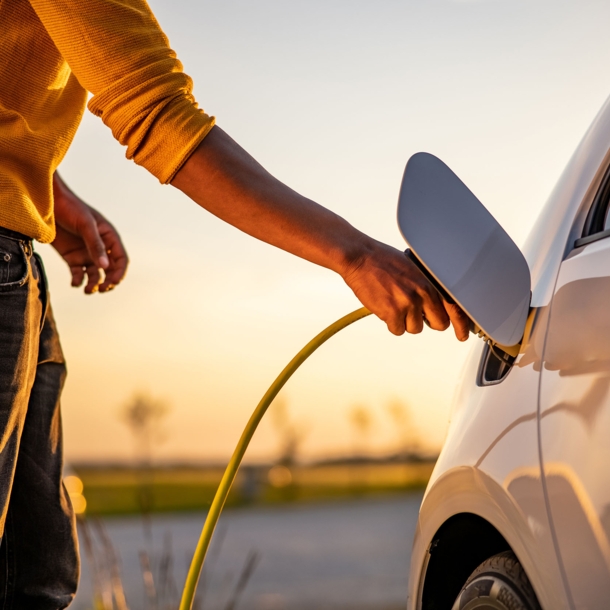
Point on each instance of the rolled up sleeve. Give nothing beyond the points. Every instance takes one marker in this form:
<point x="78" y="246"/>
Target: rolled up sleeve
<point x="118" y="52"/>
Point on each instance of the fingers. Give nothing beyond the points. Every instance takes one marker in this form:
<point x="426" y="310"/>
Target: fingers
<point x="94" y="278"/>
<point x="419" y="309"/>
<point x="87" y="242"/>
<point x="91" y="273"/>
<point x="104" y="246"/>
<point x="415" y="321"/>
<point x="459" y="320"/>
<point x="424" y="304"/>
<point x="81" y="268"/>
<point x="397" y="291"/>
<point x="94" y="243"/>
<point x="118" y="260"/>
<point x="114" y="248"/>
<point x="78" y="275"/>
<point x="397" y="325"/>
<point x="433" y="308"/>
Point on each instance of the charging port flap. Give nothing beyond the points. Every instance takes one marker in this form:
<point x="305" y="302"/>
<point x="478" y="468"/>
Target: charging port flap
<point x="464" y="250"/>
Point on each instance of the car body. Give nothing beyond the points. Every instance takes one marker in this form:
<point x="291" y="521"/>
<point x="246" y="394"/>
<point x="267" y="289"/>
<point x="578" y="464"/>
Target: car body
<point x="526" y="463"/>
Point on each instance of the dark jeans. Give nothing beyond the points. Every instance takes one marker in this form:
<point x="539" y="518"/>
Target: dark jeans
<point x="39" y="564"/>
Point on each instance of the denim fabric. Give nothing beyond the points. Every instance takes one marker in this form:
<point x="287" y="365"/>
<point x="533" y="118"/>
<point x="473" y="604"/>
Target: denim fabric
<point x="39" y="564"/>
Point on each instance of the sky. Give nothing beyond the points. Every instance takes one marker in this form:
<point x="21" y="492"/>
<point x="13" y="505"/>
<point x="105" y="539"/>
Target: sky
<point x="332" y="97"/>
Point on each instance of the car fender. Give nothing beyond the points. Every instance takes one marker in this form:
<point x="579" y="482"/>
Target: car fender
<point x="467" y="489"/>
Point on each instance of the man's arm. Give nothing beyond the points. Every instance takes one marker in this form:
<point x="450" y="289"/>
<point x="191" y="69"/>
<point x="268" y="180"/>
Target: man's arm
<point x="225" y="180"/>
<point x="118" y="52"/>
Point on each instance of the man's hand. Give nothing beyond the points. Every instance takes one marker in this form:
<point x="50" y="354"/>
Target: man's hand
<point x="87" y="242"/>
<point x="393" y="288"/>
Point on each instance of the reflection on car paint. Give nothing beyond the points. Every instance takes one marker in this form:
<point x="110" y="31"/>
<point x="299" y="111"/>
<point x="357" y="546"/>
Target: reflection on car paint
<point x="575" y="422"/>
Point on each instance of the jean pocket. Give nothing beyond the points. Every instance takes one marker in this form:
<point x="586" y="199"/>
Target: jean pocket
<point x="14" y="267"/>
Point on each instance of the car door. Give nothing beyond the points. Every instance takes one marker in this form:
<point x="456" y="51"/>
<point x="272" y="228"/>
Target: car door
<point x="575" y="410"/>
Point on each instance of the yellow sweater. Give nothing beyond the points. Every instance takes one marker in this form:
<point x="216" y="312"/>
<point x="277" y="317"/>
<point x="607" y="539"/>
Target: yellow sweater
<point x="51" y="53"/>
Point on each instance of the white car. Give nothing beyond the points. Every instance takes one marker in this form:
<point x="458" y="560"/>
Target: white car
<point x="517" y="512"/>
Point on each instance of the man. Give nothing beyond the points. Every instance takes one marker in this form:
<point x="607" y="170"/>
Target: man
<point x="51" y="53"/>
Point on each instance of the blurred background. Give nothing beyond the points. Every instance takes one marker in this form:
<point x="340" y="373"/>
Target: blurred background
<point x="332" y="97"/>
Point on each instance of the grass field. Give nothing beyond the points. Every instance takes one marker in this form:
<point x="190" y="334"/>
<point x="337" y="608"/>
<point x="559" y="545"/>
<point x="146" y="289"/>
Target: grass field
<point x="123" y="490"/>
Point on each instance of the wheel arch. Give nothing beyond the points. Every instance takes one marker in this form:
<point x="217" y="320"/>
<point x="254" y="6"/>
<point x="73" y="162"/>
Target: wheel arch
<point x="466" y="509"/>
<point x="459" y="546"/>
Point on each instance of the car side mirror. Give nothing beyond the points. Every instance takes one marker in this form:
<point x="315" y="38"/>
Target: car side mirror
<point x="463" y="250"/>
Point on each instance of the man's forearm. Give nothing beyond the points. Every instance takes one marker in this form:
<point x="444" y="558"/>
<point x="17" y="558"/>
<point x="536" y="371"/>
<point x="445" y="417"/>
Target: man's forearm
<point x="225" y="180"/>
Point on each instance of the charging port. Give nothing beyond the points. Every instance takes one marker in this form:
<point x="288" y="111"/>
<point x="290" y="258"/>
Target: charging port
<point x="495" y="365"/>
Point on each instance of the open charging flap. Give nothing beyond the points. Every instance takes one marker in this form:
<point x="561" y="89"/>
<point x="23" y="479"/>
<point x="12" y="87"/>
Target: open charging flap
<point x="464" y="252"/>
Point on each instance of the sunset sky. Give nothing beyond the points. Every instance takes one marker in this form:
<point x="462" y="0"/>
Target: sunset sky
<point x="333" y="97"/>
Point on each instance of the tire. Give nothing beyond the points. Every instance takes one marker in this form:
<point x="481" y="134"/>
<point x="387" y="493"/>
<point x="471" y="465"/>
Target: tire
<point x="499" y="583"/>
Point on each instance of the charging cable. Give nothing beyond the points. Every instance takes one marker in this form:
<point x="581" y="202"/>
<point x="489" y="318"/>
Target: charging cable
<point x="188" y="594"/>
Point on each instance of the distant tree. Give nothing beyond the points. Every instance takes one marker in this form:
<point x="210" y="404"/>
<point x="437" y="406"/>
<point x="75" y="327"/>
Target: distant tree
<point x="144" y="416"/>
<point x="409" y="443"/>
<point x="362" y="421"/>
<point x="291" y="434"/>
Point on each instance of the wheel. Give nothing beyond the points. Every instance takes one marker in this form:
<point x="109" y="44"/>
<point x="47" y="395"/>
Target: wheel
<point x="499" y="583"/>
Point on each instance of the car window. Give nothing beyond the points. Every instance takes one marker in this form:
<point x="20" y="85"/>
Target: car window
<point x="607" y="220"/>
<point x="597" y="224"/>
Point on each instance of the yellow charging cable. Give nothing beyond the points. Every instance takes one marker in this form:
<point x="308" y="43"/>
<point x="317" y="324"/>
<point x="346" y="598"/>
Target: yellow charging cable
<point x="188" y="594"/>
